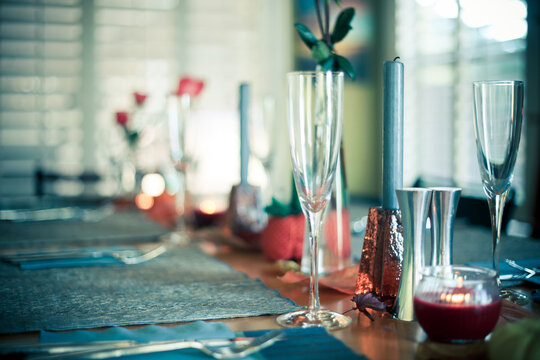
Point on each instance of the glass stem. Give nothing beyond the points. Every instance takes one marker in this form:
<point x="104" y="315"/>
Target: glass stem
<point x="496" y="207"/>
<point x="314" y="223"/>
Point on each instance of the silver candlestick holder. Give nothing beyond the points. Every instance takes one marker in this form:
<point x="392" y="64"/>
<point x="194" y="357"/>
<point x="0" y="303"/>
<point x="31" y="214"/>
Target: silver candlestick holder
<point x="414" y="205"/>
<point x="444" y="203"/>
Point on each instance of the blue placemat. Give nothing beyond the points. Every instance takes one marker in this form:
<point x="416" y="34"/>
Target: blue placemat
<point x="194" y="331"/>
<point x="70" y="257"/>
<point x="506" y="269"/>
<point x="307" y="344"/>
<point x="179" y="286"/>
<point x="297" y="344"/>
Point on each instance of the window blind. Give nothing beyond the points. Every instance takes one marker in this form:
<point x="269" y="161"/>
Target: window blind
<point x="40" y="88"/>
<point x="66" y="67"/>
<point x="446" y="45"/>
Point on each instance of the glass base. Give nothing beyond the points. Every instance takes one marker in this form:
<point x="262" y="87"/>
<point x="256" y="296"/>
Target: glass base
<point x="310" y="318"/>
<point x="514" y="296"/>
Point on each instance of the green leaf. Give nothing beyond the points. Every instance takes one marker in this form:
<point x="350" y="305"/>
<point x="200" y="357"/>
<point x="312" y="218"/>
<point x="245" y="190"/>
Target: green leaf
<point x="328" y="64"/>
<point x="343" y="25"/>
<point x="306" y="35"/>
<point x="277" y="208"/>
<point x="320" y="52"/>
<point x="295" y="206"/>
<point x="346" y="66"/>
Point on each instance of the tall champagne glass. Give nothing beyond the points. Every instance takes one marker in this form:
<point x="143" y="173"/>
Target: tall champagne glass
<point x="262" y="135"/>
<point x="315" y="119"/>
<point x="498" y="113"/>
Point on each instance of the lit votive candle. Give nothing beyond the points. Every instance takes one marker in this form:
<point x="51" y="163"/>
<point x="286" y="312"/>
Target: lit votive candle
<point x="208" y="213"/>
<point x="457" y="303"/>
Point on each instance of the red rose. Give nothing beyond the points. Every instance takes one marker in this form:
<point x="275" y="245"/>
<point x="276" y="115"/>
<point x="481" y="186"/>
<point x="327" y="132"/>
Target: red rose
<point x="189" y="86"/>
<point x="122" y="117"/>
<point x="283" y="237"/>
<point x="139" y="98"/>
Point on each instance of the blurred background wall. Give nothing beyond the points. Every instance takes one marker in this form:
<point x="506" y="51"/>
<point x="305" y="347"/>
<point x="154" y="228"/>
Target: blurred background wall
<point x="66" y="67"/>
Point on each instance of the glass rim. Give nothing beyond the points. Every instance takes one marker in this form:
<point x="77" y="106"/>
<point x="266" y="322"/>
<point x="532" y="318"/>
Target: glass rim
<point x="444" y="188"/>
<point x="480" y="273"/>
<point x="315" y="72"/>
<point x="498" y="82"/>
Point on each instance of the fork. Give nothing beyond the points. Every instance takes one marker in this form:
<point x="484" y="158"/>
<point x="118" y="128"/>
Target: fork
<point x="225" y="352"/>
<point x="168" y="242"/>
<point x="530" y="272"/>
<point x="137" y="259"/>
<point x="514" y="276"/>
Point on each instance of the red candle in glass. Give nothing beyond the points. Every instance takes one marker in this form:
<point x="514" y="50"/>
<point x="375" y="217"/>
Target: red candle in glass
<point x="457" y="303"/>
<point x="207" y="214"/>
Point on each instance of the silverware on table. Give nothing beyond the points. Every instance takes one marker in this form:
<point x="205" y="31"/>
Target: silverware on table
<point x="219" y="349"/>
<point x="127" y="256"/>
<point x="514" y="277"/>
<point x="138" y="259"/>
<point x="530" y="272"/>
<point x="66" y="254"/>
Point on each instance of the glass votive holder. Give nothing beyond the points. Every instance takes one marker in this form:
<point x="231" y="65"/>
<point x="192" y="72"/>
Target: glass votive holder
<point x="456" y="303"/>
<point x="209" y="210"/>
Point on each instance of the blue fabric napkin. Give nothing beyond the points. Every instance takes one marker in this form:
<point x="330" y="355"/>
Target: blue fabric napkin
<point x="106" y="259"/>
<point x="298" y="344"/>
<point x="506" y="269"/>
<point x="198" y="330"/>
<point x="307" y="344"/>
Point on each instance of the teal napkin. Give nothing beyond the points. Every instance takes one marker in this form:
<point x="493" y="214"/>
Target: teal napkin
<point x="198" y="330"/>
<point x="297" y="344"/>
<point x="313" y="343"/>
<point x="506" y="269"/>
<point x="105" y="259"/>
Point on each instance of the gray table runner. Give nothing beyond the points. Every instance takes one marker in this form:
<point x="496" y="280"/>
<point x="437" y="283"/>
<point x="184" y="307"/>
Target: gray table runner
<point x="181" y="285"/>
<point x="118" y="227"/>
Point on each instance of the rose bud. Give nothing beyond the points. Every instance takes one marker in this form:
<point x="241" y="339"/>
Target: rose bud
<point x="122" y="117"/>
<point x="139" y="98"/>
<point x="189" y="86"/>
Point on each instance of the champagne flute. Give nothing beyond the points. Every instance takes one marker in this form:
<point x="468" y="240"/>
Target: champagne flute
<point x="262" y="134"/>
<point x="498" y="113"/>
<point x="315" y="119"/>
<point x="178" y="110"/>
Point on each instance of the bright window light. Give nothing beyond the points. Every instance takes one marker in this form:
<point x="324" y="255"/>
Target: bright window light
<point x="447" y="9"/>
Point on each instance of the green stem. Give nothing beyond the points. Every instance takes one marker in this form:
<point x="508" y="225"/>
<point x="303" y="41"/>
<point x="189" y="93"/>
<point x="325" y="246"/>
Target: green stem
<point x="319" y="17"/>
<point x="327" y="18"/>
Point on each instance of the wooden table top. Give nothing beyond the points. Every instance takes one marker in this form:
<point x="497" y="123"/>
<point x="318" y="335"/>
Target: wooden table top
<point x="384" y="338"/>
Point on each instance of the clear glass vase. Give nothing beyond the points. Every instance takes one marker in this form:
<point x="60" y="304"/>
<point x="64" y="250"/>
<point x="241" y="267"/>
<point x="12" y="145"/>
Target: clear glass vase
<point x="335" y="235"/>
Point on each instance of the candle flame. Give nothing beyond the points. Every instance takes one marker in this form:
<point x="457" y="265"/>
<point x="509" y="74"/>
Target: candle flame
<point x="458" y="298"/>
<point x="455" y="299"/>
<point x="459" y="281"/>
<point x="208" y="207"/>
<point x="144" y="201"/>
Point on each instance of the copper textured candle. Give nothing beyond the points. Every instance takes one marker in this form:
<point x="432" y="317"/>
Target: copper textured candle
<point x="392" y="132"/>
<point x="382" y="254"/>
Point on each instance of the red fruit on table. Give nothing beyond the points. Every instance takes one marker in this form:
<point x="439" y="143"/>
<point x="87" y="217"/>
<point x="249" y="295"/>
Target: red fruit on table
<point x="283" y="237"/>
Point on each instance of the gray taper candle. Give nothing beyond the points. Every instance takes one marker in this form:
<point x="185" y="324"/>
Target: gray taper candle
<point x="244" y="144"/>
<point x="392" y="133"/>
